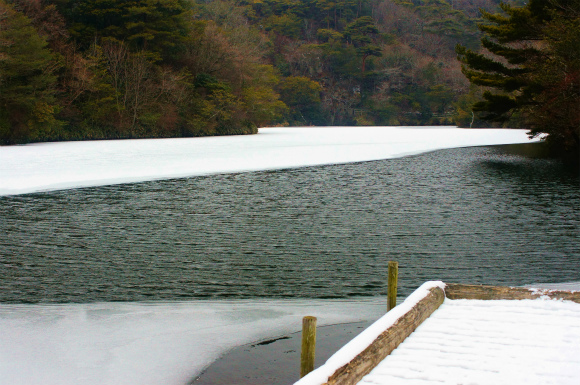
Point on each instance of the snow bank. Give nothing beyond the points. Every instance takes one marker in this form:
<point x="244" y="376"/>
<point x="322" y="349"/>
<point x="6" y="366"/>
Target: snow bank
<point x="64" y="165"/>
<point x="349" y="351"/>
<point x="148" y="343"/>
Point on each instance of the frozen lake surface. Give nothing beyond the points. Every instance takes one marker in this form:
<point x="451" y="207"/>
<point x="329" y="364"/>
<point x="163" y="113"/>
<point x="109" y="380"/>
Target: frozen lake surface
<point x="168" y="275"/>
<point x="147" y="343"/>
<point x="56" y="166"/>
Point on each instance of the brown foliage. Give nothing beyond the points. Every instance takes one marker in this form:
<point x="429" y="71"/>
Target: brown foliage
<point x="48" y="22"/>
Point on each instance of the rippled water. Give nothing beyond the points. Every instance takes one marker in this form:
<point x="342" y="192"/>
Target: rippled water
<point x="474" y="215"/>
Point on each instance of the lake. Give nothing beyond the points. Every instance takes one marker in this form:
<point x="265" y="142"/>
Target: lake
<point x="472" y="215"/>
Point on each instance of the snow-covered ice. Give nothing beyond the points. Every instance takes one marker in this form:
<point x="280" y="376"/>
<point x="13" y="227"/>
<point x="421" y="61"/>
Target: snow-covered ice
<point x="148" y="343"/>
<point x="63" y="165"/>
<point x="567" y="286"/>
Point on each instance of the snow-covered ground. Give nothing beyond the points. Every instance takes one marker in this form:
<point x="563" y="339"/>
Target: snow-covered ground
<point x="489" y="343"/>
<point x="523" y="342"/>
<point x="163" y="343"/>
<point x="64" y="165"/>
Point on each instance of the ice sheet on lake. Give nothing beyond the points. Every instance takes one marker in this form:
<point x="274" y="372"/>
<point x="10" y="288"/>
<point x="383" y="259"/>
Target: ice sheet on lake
<point x="169" y="343"/>
<point x="568" y="286"/>
<point x="148" y="343"/>
<point x="64" y="165"/>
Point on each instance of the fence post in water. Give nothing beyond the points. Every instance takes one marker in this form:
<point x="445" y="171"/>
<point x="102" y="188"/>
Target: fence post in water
<point x="308" y="345"/>
<point x="392" y="285"/>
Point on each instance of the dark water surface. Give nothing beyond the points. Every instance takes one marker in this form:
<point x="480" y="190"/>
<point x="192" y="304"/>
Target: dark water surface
<point x="474" y="215"/>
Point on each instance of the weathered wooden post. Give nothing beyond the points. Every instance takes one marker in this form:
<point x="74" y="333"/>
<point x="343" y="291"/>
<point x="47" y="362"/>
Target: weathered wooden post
<point x="308" y="345"/>
<point x="392" y="285"/>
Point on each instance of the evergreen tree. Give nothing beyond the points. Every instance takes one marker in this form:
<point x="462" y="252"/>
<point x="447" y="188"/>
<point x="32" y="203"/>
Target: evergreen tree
<point x="360" y="33"/>
<point x="538" y="76"/>
<point x="27" y="81"/>
<point x="302" y="96"/>
<point x="154" y="26"/>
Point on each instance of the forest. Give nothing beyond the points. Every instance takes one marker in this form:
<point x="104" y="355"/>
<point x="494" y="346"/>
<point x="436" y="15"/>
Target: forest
<point x="103" y="69"/>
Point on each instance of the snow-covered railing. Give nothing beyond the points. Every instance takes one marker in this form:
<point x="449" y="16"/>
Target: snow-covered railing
<point x="357" y="358"/>
<point x="354" y="360"/>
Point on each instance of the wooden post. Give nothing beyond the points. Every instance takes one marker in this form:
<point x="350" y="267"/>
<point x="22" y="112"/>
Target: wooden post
<point x="392" y="285"/>
<point x="308" y="345"/>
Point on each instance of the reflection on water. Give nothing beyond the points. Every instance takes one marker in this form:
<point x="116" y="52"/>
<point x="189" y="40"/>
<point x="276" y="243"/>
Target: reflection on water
<point x="475" y="215"/>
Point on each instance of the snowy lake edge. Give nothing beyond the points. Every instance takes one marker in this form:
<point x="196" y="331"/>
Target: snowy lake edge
<point x="54" y="166"/>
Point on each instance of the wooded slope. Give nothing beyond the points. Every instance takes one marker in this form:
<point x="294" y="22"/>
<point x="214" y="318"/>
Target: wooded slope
<point x="96" y="69"/>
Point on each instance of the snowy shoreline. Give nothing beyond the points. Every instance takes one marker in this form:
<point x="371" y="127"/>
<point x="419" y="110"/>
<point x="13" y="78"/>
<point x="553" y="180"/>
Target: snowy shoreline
<point x="148" y="343"/>
<point x="65" y="165"/>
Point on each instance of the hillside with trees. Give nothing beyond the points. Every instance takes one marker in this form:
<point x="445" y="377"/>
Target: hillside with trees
<point x="103" y="69"/>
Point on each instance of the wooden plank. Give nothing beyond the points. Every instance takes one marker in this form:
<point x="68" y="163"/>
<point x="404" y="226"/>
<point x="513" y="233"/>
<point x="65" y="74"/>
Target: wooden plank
<point x="461" y="291"/>
<point x="384" y="344"/>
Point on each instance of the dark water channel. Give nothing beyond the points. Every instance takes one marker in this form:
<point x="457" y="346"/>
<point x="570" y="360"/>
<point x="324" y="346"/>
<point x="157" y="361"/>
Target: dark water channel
<point x="474" y="215"/>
